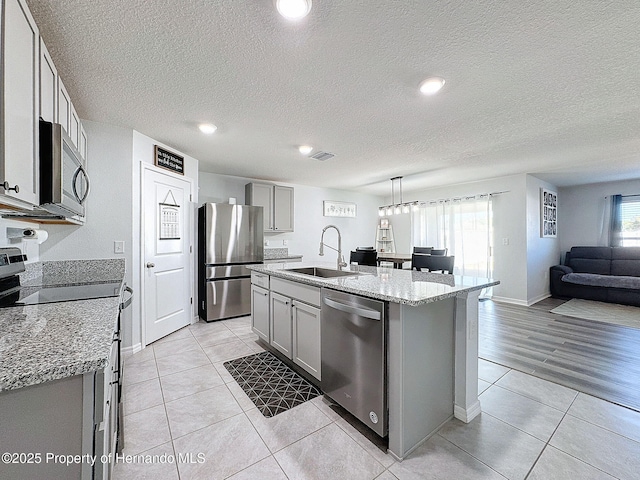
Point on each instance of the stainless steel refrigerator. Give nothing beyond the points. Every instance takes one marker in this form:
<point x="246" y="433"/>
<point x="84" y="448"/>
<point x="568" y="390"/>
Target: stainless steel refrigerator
<point x="230" y="237"/>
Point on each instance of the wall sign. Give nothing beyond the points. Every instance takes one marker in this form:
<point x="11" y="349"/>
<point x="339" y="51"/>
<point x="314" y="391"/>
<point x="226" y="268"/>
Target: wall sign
<point x="169" y="160"/>
<point x="169" y="218"/>
<point x="338" y="209"/>
<point x="548" y="213"/>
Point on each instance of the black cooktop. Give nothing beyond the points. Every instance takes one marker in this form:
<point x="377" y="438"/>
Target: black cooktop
<point x="16" y="295"/>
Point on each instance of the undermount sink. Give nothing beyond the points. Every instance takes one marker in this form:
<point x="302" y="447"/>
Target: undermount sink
<point x="321" y="272"/>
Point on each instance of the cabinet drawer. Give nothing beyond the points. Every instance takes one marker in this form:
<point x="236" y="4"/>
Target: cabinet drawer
<point x="299" y="291"/>
<point x="260" y="279"/>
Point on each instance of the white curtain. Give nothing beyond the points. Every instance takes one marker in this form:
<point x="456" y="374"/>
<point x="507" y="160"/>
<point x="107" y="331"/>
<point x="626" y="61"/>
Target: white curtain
<point x="463" y="226"/>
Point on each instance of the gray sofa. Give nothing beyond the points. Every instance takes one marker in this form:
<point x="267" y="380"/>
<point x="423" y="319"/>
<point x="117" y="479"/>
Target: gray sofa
<point x="604" y="274"/>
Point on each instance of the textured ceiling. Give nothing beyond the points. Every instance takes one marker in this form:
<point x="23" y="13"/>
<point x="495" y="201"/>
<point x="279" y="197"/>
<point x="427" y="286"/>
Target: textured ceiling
<point x="544" y="87"/>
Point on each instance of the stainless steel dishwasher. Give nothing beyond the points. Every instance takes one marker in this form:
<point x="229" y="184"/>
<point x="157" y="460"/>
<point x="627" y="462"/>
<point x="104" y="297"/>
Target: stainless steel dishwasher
<point x="353" y="350"/>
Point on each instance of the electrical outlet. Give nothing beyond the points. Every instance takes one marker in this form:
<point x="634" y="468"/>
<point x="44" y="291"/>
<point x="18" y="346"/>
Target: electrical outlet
<point x="266" y="243"/>
<point x="285" y="243"/>
<point x="118" y="246"/>
<point x="505" y="241"/>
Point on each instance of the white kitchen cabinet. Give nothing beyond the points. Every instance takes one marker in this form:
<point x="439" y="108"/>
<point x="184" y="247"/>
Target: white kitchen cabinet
<point x="83" y="144"/>
<point x="281" y="327"/>
<point x="74" y="128"/>
<point x="64" y="107"/>
<point x="277" y="202"/>
<point x="48" y="86"/>
<point x="20" y="105"/>
<point x="306" y="337"/>
<point x="260" y="312"/>
<point x="282" y="209"/>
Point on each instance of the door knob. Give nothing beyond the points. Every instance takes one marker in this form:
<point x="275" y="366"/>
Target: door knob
<point x="150" y="265"/>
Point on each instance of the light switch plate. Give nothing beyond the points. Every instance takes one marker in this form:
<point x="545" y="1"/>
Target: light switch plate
<point x="118" y="246"/>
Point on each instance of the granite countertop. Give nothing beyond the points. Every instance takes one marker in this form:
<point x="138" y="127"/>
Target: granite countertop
<point x="40" y="343"/>
<point x="279" y="254"/>
<point x="389" y="284"/>
<point x="51" y="341"/>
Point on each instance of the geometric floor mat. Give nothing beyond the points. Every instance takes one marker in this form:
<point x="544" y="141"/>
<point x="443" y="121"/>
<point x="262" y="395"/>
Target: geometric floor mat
<point x="270" y="384"/>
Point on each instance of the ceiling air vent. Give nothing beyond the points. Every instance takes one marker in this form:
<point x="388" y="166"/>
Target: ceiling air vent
<point x="322" y="156"/>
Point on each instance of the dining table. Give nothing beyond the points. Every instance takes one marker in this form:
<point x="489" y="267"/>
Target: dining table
<point x="397" y="258"/>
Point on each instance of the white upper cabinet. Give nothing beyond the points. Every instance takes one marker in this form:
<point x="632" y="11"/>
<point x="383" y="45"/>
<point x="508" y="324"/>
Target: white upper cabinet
<point x="283" y="208"/>
<point x="64" y="107"/>
<point x="74" y="128"/>
<point x="48" y="86"/>
<point x="20" y="104"/>
<point x="277" y="202"/>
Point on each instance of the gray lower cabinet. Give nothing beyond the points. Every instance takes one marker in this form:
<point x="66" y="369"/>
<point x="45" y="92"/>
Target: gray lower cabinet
<point x="281" y="328"/>
<point x="306" y="337"/>
<point x="44" y="424"/>
<point x="295" y="323"/>
<point x="260" y="312"/>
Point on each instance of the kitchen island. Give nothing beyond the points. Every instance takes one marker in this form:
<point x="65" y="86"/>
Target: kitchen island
<point x="431" y="347"/>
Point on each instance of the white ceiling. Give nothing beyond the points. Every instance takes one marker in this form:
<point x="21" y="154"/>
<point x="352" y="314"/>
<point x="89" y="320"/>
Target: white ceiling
<point x="544" y="87"/>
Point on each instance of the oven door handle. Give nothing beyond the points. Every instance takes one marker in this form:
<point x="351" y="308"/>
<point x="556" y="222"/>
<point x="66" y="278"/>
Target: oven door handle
<point x="85" y="175"/>
<point x="125" y="303"/>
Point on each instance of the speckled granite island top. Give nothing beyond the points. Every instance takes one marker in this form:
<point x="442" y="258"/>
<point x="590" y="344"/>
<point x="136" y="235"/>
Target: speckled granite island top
<point x="383" y="283"/>
<point x="51" y="341"/>
<point x="40" y="343"/>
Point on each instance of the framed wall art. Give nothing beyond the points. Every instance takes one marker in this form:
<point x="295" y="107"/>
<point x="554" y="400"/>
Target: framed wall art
<point x="548" y="213"/>
<point x="338" y="209"/>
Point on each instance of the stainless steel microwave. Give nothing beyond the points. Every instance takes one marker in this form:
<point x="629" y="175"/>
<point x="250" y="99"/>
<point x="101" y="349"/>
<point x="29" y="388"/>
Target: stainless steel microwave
<point x="64" y="182"/>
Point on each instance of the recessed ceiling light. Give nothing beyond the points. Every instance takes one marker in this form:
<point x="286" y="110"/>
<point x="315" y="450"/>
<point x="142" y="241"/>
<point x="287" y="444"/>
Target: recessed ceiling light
<point x="431" y="85"/>
<point x="293" y="9"/>
<point x="305" y="149"/>
<point x="207" y="128"/>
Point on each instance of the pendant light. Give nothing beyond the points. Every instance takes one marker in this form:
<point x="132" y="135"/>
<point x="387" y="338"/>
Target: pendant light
<point x="396" y="207"/>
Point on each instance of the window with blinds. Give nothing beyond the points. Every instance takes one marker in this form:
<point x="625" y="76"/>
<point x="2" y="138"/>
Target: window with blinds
<point x="628" y="213"/>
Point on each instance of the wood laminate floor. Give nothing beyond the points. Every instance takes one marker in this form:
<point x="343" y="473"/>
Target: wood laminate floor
<point x="597" y="358"/>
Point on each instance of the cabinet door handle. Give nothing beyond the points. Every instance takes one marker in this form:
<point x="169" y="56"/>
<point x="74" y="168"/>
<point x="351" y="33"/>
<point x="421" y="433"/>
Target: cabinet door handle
<point x="8" y="188"/>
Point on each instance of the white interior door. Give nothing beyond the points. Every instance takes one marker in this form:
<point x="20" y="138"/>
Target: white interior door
<point x="167" y="254"/>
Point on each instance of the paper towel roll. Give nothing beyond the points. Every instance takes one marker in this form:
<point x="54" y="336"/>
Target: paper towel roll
<point x="41" y="236"/>
<point x="38" y="235"/>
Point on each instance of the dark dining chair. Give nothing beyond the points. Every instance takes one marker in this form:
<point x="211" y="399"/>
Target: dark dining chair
<point x="432" y="263"/>
<point x="439" y="251"/>
<point x="422" y="249"/>
<point x="364" y="257"/>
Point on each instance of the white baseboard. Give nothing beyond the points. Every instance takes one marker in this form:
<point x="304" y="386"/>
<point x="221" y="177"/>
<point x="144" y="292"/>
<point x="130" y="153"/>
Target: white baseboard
<point x="515" y="301"/>
<point x="539" y="298"/>
<point x="467" y="414"/>
<point x="132" y="349"/>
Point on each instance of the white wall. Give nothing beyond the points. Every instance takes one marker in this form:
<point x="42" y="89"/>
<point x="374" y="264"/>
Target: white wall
<point x="542" y="253"/>
<point x="581" y="209"/>
<point x="308" y="218"/>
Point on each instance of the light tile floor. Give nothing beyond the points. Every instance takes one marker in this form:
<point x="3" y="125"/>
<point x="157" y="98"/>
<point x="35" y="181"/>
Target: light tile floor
<point x="181" y="404"/>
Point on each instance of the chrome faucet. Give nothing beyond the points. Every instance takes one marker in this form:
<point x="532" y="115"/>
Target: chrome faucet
<point x="341" y="262"/>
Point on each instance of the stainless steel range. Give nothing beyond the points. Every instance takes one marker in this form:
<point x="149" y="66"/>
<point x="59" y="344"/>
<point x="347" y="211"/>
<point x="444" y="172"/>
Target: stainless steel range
<point x="13" y="294"/>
